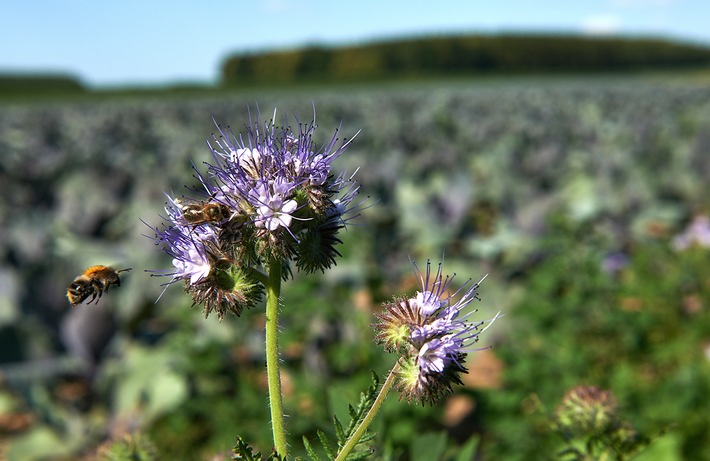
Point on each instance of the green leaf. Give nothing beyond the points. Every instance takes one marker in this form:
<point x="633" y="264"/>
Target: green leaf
<point x="667" y="447"/>
<point x="148" y="380"/>
<point x="358" y="455"/>
<point x="326" y="445"/>
<point x="468" y="451"/>
<point x="39" y="443"/>
<point x="428" y="447"/>
<point x="367" y="399"/>
<point x="339" y="431"/>
<point x="309" y="449"/>
<point x="129" y="447"/>
<point x="244" y="452"/>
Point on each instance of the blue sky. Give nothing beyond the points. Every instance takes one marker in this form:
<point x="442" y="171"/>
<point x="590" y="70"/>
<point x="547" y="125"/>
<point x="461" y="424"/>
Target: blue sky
<point x="155" y="41"/>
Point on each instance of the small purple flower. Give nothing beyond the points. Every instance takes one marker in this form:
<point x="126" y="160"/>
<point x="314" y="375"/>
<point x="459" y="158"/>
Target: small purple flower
<point x="274" y="210"/>
<point x="431" y="334"/>
<point x="696" y="234"/>
<point x="192" y="265"/>
<point x="615" y="262"/>
<point x="247" y="159"/>
<point x="436" y="354"/>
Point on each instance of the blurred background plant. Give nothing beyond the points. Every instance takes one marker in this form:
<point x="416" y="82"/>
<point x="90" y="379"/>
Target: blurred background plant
<point x="588" y="421"/>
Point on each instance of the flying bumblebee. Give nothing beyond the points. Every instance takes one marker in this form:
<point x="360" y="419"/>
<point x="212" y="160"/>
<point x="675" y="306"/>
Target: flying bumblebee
<point x="93" y="282"/>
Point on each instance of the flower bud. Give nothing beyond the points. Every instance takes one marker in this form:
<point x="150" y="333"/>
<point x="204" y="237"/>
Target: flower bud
<point x="586" y="410"/>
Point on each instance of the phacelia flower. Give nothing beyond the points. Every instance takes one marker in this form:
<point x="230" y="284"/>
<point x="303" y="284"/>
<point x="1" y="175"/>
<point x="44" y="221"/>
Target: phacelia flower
<point x="268" y="197"/>
<point x="431" y="335"/>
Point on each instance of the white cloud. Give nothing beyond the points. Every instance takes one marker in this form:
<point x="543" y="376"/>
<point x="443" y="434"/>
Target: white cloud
<point x="602" y="24"/>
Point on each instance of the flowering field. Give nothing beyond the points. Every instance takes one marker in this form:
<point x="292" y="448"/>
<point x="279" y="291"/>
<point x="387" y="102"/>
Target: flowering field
<point x="585" y="202"/>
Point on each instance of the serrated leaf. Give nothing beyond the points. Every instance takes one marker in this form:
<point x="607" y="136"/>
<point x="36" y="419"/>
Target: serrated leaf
<point x="245" y="452"/>
<point x="357" y="415"/>
<point x="309" y="449"/>
<point x="367" y="399"/>
<point x="367" y="436"/>
<point x="356" y="456"/>
<point x="326" y="444"/>
<point x="339" y="431"/>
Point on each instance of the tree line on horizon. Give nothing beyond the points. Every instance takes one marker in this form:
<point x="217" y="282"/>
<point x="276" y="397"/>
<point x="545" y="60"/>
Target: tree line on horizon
<point x="40" y="84"/>
<point x="462" y="56"/>
<point x="465" y="55"/>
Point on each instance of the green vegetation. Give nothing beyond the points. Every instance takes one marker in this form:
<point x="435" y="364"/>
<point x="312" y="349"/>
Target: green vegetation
<point x="536" y="183"/>
<point x="462" y="55"/>
<point x="641" y="332"/>
<point x="39" y="85"/>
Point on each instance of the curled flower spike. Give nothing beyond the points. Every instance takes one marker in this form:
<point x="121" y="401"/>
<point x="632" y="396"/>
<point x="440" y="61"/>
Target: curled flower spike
<point x="430" y="334"/>
<point x="268" y="198"/>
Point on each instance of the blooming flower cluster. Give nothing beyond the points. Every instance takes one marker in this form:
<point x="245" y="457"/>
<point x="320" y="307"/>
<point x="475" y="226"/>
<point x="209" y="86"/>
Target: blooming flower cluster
<point x="268" y="197"/>
<point x="431" y="335"/>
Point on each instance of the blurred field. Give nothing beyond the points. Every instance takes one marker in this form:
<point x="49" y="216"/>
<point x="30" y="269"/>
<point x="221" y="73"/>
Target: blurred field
<point x="537" y="182"/>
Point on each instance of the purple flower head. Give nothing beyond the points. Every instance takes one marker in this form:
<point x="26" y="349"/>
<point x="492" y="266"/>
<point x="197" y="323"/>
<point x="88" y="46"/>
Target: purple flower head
<point x="283" y="185"/>
<point x="430" y="333"/>
<point x="269" y="196"/>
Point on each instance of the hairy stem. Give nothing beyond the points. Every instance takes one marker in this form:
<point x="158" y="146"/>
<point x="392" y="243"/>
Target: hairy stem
<point x="273" y="291"/>
<point x="370" y="416"/>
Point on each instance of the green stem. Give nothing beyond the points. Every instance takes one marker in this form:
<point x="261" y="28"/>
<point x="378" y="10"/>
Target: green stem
<point x="273" y="292"/>
<point x="365" y="423"/>
<point x="258" y="275"/>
